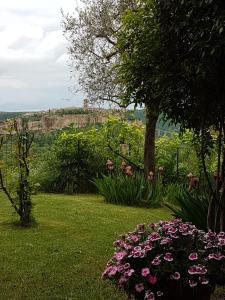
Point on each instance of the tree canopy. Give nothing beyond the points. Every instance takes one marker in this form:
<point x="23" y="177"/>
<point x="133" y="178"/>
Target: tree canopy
<point x="194" y="39"/>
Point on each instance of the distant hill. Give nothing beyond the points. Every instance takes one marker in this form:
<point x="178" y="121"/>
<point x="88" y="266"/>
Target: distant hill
<point x="9" y="115"/>
<point x="161" y="124"/>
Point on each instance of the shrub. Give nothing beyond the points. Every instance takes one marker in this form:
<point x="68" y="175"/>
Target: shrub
<point x="135" y="190"/>
<point x="152" y="261"/>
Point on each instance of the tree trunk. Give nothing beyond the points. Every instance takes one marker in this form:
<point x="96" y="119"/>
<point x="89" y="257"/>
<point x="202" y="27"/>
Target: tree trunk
<point x="149" y="148"/>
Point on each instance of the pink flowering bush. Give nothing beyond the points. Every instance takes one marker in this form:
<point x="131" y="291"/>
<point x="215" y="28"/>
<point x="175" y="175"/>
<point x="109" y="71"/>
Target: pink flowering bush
<point x="170" y="256"/>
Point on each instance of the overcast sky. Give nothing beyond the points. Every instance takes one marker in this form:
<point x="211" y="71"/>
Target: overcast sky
<point x="34" y="74"/>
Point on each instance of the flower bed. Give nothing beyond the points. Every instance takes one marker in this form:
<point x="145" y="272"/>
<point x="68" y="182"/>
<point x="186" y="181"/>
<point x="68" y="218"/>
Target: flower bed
<point x="168" y="260"/>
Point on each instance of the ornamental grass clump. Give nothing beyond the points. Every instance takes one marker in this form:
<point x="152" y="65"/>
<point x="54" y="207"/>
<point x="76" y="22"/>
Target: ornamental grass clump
<point x="168" y="260"/>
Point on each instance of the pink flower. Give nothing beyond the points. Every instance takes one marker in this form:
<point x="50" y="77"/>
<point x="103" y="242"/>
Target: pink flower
<point x="199" y="269"/>
<point x="175" y="276"/>
<point x="221" y="242"/>
<point x="192" y="283"/>
<point x="159" y="293"/>
<point x="216" y="256"/>
<point x="129" y="273"/>
<point x="137" y="249"/>
<point x="139" y="287"/>
<point x="122" y="280"/>
<point x="145" y="272"/>
<point x="156" y="261"/>
<point x="137" y="254"/>
<point x="193" y="256"/>
<point x="134" y="238"/>
<point x="154" y="236"/>
<point x="168" y="257"/>
<point x="148" y="248"/>
<point x="126" y="266"/>
<point x="141" y="227"/>
<point x="165" y="241"/>
<point x="172" y="230"/>
<point x="120" y="269"/>
<point x="153" y="225"/>
<point x="120" y="255"/>
<point x="203" y="280"/>
<point x="152" y="279"/>
<point x="221" y="235"/>
<point x="112" y="272"/>
<point x="149" y="295"/>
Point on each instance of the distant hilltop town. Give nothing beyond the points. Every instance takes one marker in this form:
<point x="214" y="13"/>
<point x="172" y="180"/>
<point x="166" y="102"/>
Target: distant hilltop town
<point x="56" y="119"/>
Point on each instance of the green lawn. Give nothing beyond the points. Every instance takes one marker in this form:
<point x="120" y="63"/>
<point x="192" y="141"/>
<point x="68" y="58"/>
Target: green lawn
<point x="64" y="256"/>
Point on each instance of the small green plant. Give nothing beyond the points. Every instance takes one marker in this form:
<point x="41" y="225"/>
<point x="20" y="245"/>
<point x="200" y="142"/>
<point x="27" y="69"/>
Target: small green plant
<point x="133" y="191"/>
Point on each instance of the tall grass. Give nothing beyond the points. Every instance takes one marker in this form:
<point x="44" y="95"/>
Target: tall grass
<point x="132" y="191"/>
<point x="191" y="206"/>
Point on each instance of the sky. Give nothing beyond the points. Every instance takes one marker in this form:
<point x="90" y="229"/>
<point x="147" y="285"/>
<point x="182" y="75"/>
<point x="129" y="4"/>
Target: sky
<point x="34" y="71"/>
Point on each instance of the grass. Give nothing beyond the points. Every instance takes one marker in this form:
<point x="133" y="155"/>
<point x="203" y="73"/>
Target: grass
<point x="64" y="256"/>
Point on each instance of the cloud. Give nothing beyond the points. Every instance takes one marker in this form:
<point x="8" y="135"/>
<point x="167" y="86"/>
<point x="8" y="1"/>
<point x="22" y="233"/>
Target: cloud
<point x="33" y="57"/>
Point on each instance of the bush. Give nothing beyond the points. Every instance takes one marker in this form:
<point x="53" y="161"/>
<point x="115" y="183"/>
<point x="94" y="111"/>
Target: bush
<point x="133" y="191"/>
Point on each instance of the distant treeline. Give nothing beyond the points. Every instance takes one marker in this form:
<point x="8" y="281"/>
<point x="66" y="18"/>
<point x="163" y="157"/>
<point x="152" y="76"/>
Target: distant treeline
<point x="9" y="115"/>
<point x="161" y="124"/>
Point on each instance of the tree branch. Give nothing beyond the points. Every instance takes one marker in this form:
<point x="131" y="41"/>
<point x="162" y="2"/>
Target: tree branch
<point x="125" y="158"/>
<point x="7" y="193"/>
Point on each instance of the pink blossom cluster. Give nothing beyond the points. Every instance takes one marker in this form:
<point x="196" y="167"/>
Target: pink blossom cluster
<point x="147" y="259"/>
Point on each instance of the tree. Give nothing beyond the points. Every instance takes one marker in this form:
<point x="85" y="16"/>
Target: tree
<point x="21" y="140"/>
<point x="194" y="38"/>
<point x="95" y="52"/>
<point x="92" y="35"/>
<point x="140" y="67"/>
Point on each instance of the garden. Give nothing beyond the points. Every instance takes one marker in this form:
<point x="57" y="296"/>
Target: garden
<point x="113" y="210"/>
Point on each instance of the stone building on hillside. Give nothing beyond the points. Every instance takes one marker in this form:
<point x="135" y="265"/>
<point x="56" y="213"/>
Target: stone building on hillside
<point x="55" y="122"/>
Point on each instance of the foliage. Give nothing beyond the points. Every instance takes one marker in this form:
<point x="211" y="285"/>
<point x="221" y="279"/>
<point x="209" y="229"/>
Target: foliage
<point x="192" y="39"/>
<point x="20" y="139"/>
<point x="137" y="69"/>
<point x="116" y="132"/>
<point x="46" y="171"/>
<point x="60" y="161"/>
<point x="97" y="51"/>
<point x="134" y="191"/>
<point x="70" y="111"/>
<point x="92" y="47"/>
<point x="191" y="206"/>
<point x="117" y="140"/>
<point x="179" y="155"/>
<point x="174" y="191"/>
<point x="151" y="261"/>
<point x="9" y="115"/>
